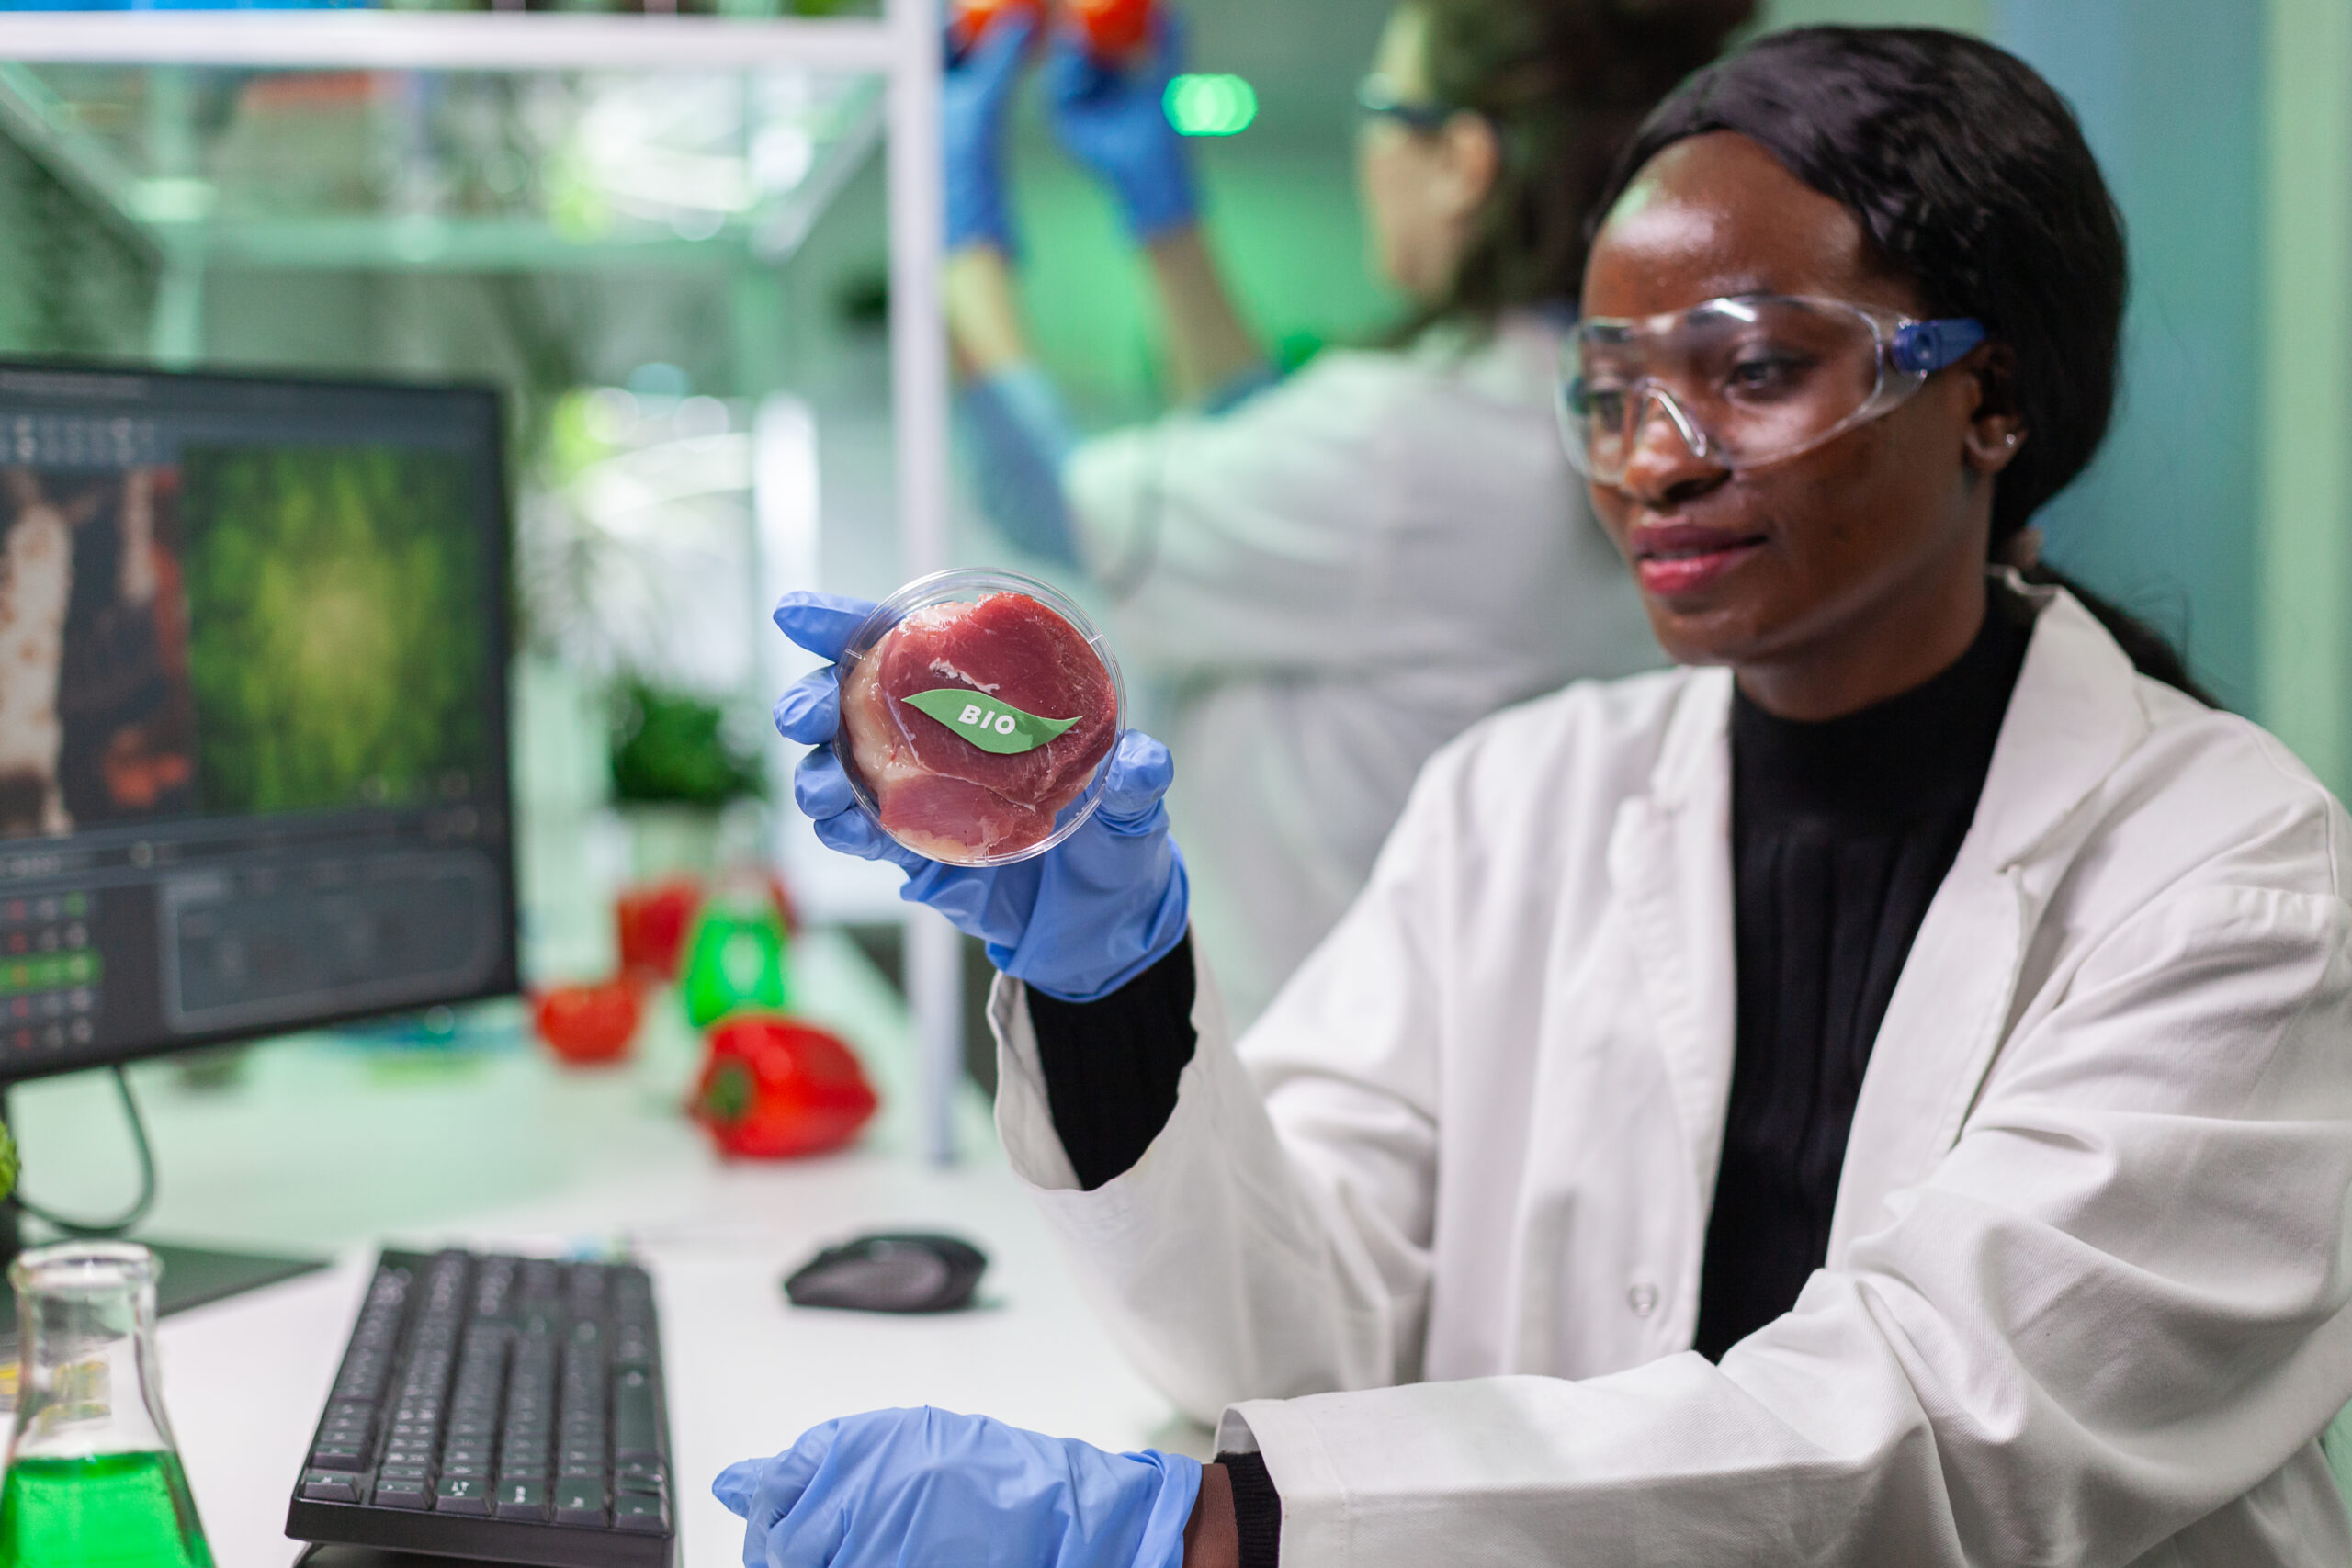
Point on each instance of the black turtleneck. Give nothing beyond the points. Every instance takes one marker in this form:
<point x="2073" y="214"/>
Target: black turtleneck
<point x="1841" y="833"/>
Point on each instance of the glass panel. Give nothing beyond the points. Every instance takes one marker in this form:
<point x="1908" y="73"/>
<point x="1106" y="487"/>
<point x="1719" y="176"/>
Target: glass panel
<point x="457" y="171"/>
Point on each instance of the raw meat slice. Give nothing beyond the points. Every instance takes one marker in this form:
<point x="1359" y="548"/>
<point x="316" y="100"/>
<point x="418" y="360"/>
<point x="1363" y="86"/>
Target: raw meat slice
<point x="938" y="793"/>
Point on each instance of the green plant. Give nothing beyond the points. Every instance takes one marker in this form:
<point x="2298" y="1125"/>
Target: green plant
<point x="673" y="748"/>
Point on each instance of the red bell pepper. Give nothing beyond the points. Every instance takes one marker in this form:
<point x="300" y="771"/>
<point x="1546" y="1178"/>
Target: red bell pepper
<point x="775" y="1088"/>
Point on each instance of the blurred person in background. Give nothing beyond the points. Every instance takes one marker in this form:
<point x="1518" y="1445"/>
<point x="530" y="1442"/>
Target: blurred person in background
<point x="1326" y="578"/>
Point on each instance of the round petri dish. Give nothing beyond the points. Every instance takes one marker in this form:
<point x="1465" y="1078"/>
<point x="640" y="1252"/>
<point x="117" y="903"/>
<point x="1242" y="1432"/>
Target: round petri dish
<point x="980" y="710"/>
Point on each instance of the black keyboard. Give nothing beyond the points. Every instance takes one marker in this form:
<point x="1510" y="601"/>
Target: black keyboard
<point x="508" y="1409"/>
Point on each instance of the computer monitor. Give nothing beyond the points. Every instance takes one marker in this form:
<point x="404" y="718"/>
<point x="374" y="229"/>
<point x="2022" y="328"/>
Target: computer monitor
<point x="252" y="708"/>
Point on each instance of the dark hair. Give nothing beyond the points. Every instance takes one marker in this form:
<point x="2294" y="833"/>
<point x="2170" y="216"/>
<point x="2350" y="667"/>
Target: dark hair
<point x="1971" y="178"/>
<point x="1564" y="83"/>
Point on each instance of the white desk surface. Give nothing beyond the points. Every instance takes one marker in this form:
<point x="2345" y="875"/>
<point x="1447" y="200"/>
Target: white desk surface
<point x="321" y="1145"/>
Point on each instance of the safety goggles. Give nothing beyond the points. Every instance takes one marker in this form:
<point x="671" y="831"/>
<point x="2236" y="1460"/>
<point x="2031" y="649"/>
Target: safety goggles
<point x="1377" y="97"/>
<point x="1744" y="381"/>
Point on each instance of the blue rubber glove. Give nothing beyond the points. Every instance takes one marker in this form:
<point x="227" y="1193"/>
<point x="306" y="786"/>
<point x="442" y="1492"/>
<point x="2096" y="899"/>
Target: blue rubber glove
<point x="1077" y="922"/>
<point x="1113" y="120"/>
<point x="930" y="1489"/>
<point x="974" y="97"/>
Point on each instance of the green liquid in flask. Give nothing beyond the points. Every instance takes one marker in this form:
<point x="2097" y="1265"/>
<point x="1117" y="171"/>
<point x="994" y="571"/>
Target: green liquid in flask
<point x="108" y="1511"/>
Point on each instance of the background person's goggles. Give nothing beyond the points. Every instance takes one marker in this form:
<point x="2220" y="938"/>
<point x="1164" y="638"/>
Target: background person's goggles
<point x="1745" y="380"/>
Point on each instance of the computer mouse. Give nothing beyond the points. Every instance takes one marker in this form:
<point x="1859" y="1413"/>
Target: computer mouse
<point x="889" y="1273"/>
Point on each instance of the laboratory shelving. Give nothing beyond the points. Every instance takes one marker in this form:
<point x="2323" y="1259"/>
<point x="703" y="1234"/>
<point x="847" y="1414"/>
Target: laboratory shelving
<point x="509" y="140"/>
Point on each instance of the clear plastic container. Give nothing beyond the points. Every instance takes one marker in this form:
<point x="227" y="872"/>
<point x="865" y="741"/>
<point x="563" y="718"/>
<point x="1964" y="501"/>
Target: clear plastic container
<point x="983" y="780"/>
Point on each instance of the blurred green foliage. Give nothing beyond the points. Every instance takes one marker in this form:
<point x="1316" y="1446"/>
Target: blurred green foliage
<point x="72" y="280"/>
<point x="673" y="748"/>
<point x="336" y="598"/>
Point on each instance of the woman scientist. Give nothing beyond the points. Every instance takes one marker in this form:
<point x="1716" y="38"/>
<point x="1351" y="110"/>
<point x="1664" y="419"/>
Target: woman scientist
<point x="1876" y="1095"/>
<point x="1326" y="581"/>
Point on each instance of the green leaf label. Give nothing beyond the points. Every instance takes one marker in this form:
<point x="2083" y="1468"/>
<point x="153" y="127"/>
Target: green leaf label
<point x="988" y="724"/>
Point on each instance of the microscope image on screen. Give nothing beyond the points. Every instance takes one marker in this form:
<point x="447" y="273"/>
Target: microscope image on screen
<point x="97" y="717"/>
<point x="330" y="594"/>
<point x="292" y="608"/>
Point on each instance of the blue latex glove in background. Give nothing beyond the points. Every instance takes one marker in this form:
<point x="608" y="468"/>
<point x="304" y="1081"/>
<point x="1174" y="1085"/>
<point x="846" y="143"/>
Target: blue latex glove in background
<point x="930" y="1489"/>
<point x="974" y="97"/>
<point x="1077" y="922"/>
<point x="1113" y="120"/>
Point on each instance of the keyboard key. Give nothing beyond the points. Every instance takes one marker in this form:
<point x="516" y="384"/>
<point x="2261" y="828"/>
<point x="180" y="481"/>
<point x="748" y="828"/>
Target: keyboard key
<point x="478" y="1473"/>
<point x="635" y="1432"/>
<point x="644" y="1514"/>
<point x="400" y="1492"/>
<point x="523" y="1500"/>
<point x="580" y="1502"/>
<point x="462" y="1494"/>
<point x="335" y="1456"/>
<point x="332" y="1485"/>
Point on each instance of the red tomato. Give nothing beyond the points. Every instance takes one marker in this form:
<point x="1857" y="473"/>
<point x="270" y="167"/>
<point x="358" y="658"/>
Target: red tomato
<point x="775" y="1088"/>
<point x="653" y="922"/>
<point x="589" y="1024"/>
<point x="1113" y="29"/>
<point x="969" y="19"/>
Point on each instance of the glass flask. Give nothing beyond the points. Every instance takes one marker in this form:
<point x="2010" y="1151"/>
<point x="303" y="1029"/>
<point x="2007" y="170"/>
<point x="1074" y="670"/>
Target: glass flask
<point x="94" y="1477"/>
<point x="737" y="958"/>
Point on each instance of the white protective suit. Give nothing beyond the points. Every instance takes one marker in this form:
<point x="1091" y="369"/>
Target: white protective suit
<point x="1433" y="1232"/>
<point x="1326" y="583"/>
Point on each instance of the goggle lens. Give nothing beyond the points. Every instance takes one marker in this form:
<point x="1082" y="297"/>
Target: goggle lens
<point x="1742" y="381"/>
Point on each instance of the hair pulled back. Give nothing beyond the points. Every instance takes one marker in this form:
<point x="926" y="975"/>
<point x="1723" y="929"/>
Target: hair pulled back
<point x="1970" y="175"/>
<point x="1564" y="83"/>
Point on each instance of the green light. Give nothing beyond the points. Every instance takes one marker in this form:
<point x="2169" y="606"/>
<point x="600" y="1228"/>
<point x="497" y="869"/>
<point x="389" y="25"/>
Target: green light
<point x="1211" y="105"/>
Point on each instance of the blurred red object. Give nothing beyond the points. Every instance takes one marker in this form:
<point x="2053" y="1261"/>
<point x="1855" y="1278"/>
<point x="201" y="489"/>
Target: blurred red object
<point x="775" y="1088"/>
<point x="589" y="1024"/>
<point x="653" y="921"/>
<point x="1113" y="29"/>
<point x="969" y="19"/>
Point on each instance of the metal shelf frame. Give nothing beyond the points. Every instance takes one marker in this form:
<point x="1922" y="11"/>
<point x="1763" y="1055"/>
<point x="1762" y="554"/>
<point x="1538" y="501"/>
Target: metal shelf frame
<point x="902" y="47"/>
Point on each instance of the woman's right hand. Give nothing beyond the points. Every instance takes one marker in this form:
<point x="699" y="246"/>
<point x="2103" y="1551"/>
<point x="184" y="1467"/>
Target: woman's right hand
<point x="1077" y="922"/>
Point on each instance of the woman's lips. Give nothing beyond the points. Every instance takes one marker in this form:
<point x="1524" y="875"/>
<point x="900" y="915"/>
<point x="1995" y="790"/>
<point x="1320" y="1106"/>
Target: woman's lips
<point x="1681" y="559"/>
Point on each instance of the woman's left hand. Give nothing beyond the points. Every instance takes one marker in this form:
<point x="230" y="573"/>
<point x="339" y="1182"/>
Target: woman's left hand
<point x="928" y="1486"/>
<point x="1112" y="117"/>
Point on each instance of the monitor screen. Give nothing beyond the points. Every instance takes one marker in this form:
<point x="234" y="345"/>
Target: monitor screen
<point x="252" y="708"/>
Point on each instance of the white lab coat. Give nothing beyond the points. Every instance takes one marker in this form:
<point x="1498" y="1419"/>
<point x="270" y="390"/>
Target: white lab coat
<point x="1433" y="1232"/>
<point x="1326" y="584"/>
